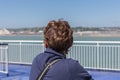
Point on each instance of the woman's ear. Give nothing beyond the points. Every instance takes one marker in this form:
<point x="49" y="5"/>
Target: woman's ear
<point x="45" y="44"/>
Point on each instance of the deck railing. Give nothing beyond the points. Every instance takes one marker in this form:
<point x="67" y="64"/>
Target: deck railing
<point x="4" y="58"/>
<point x="91" y="54"/>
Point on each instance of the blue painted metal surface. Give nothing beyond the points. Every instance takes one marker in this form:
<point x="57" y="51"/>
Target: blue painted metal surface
<point x="21" y="72"/>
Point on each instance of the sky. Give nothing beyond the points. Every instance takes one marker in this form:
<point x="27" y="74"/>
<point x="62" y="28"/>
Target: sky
<point x="37" y="13"/>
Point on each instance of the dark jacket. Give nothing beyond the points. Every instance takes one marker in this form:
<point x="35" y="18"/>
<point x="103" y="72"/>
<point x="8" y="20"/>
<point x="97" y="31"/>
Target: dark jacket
<point x="65" y="69"/>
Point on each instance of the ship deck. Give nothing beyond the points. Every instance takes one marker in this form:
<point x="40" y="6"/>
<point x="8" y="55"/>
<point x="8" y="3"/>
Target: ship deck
<point x="21" y="72"/>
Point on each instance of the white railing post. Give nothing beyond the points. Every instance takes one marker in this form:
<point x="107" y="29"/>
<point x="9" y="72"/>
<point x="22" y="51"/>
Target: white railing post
<point x="119" y="57"/>
<point x="98" y="46"/>
<point x="4" y="58"/>
<point x="6" y="55"/>
<point x="1" y="52"/>
<point x="20" y="52"/>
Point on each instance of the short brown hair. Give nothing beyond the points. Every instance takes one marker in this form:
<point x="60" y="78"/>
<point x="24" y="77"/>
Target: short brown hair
<point x="58" y="35"/>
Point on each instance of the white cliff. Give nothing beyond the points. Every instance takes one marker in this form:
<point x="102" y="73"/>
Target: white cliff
<point x="4" y="32"/>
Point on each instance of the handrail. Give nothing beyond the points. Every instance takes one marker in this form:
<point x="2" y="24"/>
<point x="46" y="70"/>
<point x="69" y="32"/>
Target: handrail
<point x="73" y="41"/>
<point x="90" y="54"/>
<point x="21" y="41"/>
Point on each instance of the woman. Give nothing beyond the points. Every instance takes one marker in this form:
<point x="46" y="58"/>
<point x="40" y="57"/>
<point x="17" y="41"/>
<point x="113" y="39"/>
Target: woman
<point x="58" y="38"/>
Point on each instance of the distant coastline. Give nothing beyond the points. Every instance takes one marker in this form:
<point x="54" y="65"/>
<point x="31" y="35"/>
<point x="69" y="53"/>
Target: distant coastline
<point x="98" y="33"/>
<point x="104" y="35"/>
<point x="80" y="31"/>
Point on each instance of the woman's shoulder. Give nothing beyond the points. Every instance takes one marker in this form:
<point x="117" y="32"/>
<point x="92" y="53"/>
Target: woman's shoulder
<point x="78" y="70"/>
<point x="75" y="66"/>
<point x="40" y="56"/>
<point x="72" y="62"/>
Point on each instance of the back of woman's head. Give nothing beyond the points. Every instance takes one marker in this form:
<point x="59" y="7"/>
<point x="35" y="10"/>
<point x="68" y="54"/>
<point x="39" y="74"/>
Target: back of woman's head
<point x="58" y="36"/>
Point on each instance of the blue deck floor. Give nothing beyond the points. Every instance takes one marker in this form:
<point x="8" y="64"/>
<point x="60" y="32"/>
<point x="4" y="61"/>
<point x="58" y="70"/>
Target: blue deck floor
<point x="21" y="72"/>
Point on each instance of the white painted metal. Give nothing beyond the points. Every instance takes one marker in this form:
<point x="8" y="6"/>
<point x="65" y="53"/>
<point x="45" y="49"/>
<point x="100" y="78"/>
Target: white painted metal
<point x="91" y="54"/>
<point x="4" y="59"/>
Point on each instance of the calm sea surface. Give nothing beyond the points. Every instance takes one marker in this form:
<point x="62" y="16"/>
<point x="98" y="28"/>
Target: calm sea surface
<point x="76" y="38"/>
